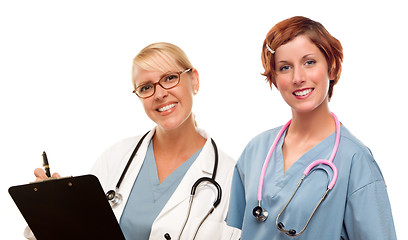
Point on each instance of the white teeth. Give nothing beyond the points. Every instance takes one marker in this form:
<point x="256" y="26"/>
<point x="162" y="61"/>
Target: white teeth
<point x="165" y="108"/>
<point x="304" y="92"/>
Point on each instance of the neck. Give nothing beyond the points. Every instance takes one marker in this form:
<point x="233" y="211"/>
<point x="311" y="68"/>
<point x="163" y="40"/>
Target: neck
<point x="179" y="139"/>
<point x="318" y="123"/>
<point x="172" y="147"/>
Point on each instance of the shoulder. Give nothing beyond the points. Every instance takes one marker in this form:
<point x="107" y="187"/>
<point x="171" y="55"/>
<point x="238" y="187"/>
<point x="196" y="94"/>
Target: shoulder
<point x="116" y="153"/>
<point x="253" y="155"/>
<point x="269" y="134"/>
<point x="112" y="161"/>
<point x="353" y="143"/>
<point x="358" y="160"/>
<point x="123" y="146"/>
<point x="226" y="163"/>
<point x="226" y="159"/>
<point x="263" y="139"/>
<point x="354" y="149"/>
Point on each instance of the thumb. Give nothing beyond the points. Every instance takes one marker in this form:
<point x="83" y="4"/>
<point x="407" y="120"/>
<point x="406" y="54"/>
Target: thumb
<point x="55" y="175"/>
<point x="40" y="174"/>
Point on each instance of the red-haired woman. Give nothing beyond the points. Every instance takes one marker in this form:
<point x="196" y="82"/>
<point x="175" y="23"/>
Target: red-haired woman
<point x="311" y="178"/>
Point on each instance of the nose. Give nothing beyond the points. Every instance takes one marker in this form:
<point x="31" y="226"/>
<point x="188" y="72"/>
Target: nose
<point x="299" y="76"/>
<point x="160" y="92"/>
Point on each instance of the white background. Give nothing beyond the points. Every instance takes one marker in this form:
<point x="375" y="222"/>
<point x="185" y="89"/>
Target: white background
<point x="66" y="88"/>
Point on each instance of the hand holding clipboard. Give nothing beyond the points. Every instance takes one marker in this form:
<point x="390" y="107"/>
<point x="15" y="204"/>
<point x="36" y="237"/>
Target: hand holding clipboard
<point x="66" y="208"/>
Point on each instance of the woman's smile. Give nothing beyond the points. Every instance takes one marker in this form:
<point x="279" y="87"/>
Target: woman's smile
<point x="303" y="93"/>
<point x="166" y="107"/>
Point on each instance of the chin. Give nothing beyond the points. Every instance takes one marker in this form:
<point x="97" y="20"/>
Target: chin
<point x="171" y="124"/>
<point x="168" y="126"/>
<point x="307" y="108"/>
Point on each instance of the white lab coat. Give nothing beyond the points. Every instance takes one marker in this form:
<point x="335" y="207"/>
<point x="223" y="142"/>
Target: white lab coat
<point x="111" y="163"/>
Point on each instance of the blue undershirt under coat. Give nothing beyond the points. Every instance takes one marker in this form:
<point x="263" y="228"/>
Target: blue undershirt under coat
<point x="149" y="196"/>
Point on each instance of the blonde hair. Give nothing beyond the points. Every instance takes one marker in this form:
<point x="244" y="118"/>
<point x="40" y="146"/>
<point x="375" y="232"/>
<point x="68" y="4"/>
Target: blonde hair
<point x="162" y="57"/>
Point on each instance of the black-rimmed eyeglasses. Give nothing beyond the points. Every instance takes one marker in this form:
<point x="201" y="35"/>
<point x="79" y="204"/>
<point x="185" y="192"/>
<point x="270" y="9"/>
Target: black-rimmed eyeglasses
<point x="168" y="81"/>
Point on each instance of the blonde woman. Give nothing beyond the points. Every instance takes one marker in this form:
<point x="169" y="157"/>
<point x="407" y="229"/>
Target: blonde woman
<point x="159" y="176"/>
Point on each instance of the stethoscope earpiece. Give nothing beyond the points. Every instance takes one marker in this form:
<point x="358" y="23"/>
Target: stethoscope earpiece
<point x="260" y="213"/>
<point x="290" y="232"/>
<point x="114" y="198"/>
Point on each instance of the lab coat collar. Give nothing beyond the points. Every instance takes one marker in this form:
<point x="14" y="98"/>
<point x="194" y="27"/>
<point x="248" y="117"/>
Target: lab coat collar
<point x="206" y="153"/>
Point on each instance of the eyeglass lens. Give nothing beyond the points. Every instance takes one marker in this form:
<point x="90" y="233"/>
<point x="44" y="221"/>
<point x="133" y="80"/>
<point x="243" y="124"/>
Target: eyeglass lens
<point x="167" y="82"/>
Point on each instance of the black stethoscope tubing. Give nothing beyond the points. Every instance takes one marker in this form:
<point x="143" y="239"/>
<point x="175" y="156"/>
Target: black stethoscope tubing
<point x="130" y="160"/>
<point x="115" y="198"/>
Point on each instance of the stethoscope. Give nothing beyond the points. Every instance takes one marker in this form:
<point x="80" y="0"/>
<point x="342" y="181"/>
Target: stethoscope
<point x="115" y="198"/>
<point x="261" y="214"/>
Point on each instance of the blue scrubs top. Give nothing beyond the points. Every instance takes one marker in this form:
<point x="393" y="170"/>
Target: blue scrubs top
<point x="356" y="208"/>
<point x="148" y="196"/>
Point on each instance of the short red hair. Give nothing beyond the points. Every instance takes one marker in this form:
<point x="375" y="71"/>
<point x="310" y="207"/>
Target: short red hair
<point x="290" y="28"/>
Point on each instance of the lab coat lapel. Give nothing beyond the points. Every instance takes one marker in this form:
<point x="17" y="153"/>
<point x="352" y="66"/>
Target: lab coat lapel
<point x="133" y="171"/>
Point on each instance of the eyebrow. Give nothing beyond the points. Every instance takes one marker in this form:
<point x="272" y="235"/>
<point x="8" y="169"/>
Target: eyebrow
<point x="150" y="81"/>
<point x="303" y="58"/>
<point x="308" y="55"/>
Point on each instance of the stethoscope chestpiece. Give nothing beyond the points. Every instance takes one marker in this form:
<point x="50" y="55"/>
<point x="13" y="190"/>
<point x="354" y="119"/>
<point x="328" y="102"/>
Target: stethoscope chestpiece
<point x="260" y="213"/>
<point x="114" y="198"/>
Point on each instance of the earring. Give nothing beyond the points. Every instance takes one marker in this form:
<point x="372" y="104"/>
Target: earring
<point x="195" y="92"/>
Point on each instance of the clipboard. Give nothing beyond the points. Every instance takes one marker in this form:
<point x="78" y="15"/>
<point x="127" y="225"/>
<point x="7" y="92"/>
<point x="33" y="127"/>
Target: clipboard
<point x="67" y="208"/>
